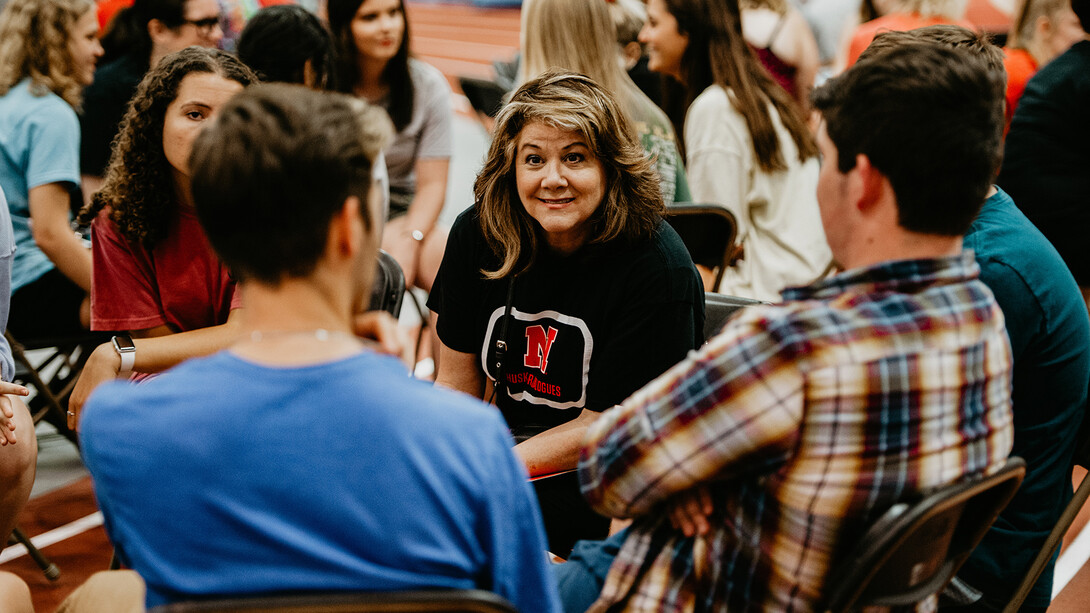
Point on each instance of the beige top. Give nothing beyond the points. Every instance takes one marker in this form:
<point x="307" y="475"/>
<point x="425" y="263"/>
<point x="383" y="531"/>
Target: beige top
<point x="778" y="218"/>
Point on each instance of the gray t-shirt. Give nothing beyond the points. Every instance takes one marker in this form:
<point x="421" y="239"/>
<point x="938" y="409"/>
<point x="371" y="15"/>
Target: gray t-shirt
<point x="428" y="135"/>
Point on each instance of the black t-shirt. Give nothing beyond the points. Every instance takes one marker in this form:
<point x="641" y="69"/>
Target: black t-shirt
<point x="104" y="105"/>
<point x="1046" y="160"/>
<point x="586" y="330"/>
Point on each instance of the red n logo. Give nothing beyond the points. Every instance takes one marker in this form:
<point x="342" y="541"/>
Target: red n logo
<point x="538" y="344"/>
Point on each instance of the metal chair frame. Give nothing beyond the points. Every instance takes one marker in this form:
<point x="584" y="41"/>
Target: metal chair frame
<point x="709" y="232"/>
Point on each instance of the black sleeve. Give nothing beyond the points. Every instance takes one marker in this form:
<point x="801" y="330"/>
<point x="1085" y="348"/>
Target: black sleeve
<point x="660" y="318"/>
<point x="456" y="291"/>
<point x="103" y="109"/>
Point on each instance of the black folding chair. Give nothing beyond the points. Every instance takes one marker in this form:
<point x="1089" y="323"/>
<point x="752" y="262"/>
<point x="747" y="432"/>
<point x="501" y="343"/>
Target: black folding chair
<point x="423" y="601"/>
<point x="388" y="287"/>
<point x="709" y="232"/>
<point x="915" y="548"/>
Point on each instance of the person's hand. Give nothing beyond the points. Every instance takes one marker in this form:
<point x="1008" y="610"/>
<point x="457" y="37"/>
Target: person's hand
<point x="405" y="249"/>
<point x="7" y="412"/>
<point x="689" y="511"/>
<point x="381" y="327"/>
<point x="102" y="365"/>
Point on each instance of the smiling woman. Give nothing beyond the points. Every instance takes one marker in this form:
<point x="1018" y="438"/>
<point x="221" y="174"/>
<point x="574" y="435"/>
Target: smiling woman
<point x="562" y="291"/>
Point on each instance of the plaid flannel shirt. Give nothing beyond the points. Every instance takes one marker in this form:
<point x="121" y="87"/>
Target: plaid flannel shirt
<point x="806" y="420"/>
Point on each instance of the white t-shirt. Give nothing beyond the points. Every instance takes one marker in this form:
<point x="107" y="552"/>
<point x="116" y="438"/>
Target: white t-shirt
<point x="777" y="212"/>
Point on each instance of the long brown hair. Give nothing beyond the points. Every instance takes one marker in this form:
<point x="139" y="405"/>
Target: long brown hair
<point x="632" y="205"/>
<point x="396" y="75"/>
<point x="139" y="187"/>
<point x="718" y="55"/>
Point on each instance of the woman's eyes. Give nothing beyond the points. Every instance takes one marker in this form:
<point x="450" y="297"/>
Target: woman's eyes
<point x="568" y="158"/>
<point x="195" y="115"/>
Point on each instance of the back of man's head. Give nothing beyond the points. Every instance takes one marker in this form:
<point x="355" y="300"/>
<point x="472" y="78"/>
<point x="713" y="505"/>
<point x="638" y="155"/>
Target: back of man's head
<point x="272" y="171"/>
<point x="955" y="37"/>
<point x="927" y="118"/>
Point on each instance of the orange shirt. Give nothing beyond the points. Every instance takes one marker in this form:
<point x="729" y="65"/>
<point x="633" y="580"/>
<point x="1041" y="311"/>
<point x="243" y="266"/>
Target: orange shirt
<point x="896" y="22"/>
<point x="1020" y="67"/>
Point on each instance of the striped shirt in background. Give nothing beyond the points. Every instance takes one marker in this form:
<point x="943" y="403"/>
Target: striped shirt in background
<point x="807" y="419"/>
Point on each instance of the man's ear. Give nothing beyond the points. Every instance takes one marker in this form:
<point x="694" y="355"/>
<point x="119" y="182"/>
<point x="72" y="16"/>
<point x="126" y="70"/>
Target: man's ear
<point x="869" y="182"/>
<point x="346" y="232"/>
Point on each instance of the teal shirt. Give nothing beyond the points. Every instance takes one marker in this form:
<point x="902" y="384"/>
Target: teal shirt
<point x="1050" y="343"/>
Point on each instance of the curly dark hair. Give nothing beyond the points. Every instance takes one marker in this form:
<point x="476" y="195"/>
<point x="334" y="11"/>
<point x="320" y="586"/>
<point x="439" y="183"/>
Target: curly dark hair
<point x="139" y="187"/>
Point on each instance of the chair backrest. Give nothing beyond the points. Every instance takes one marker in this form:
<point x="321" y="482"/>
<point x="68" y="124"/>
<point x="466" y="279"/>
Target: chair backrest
<point x="719" y="307"/>
<point x="708" y="231"/>
<point x="388" y="287"/>
<point x="1067" y="517"/>
<point x="430" y="601"/>
<point x="916" y="547"/>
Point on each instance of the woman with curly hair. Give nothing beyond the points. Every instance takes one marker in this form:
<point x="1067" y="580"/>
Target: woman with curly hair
<point x="155" y="276"/>
<point x="562" y="291"/>
<point x="371" y="38"/>
<point x="48" y="52"/>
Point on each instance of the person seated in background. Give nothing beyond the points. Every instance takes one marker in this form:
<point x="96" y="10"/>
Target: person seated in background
<point x="566" y="262"/>
<point x="743" y="466"/>
<point x="747" y="145"/>
<point x="136" y="39"/>
<point x="48" y="52"/>
<point x="784" y="43"/>
<point x="629" y="17"/>
<point x="155" y="277"/>
<point x="320" y="465"/>
<point x="1047" y="153"/>
<point x="286" y="43"/>
<point x="904" y="15"/>
<point x="1044" y="29"/>
<point x="1049" y="333"/>
<point x="548" y="29"/>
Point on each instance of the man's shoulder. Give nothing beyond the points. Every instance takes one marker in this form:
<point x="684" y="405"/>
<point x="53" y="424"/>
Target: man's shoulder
<point x="1014" y="255"/>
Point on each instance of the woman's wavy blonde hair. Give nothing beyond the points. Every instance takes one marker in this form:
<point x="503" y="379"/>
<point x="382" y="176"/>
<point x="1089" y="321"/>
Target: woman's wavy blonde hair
<point x="34" y="43"/>
<point x="632" y="205"/>
<point x="139" y="186"/>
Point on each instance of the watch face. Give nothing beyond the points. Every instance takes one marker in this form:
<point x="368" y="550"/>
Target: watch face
<point x="123" y="343"/>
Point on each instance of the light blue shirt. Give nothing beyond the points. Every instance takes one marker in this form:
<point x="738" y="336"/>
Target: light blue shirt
<point x="39" y="144"/>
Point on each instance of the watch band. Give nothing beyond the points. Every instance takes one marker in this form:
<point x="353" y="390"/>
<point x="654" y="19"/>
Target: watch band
<point x="126" y="349"/>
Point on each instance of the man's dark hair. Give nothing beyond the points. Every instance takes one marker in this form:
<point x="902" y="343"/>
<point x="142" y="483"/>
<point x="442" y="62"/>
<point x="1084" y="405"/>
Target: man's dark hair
<point x="274" y="169"/>
<point x="926" y="117"/>
<point x="279" y="41"/>
<point x="955" y="37"/>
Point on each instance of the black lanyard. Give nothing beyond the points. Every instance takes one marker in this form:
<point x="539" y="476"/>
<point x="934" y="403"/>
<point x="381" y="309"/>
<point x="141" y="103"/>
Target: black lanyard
<point x="499" y="349"/>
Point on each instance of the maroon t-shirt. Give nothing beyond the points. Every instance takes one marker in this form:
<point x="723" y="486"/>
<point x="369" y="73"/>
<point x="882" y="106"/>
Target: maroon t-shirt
<point x="180" y="283"/>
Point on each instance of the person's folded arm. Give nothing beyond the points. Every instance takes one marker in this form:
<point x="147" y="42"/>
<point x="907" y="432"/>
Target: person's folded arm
<point x="732" y="408"/>
<point x="556" y="449"/>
